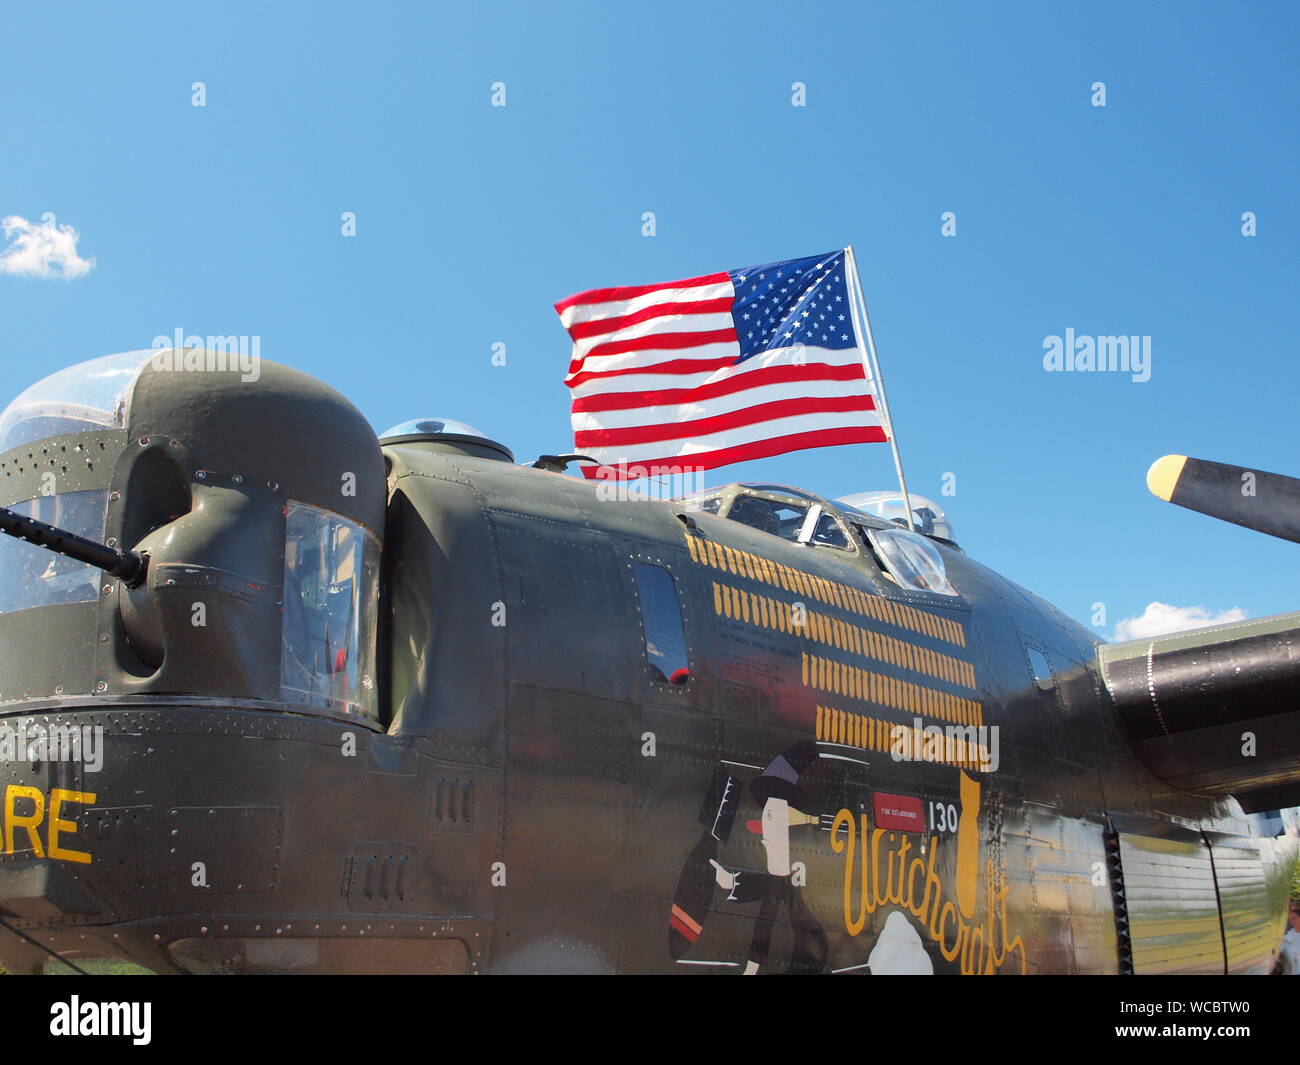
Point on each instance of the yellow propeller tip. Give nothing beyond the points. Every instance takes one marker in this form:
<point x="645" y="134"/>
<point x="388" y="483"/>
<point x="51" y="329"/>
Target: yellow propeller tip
<point x="1162" y="477"/>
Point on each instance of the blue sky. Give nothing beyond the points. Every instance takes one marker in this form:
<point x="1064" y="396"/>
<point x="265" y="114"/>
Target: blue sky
<point x="472" y="220"/>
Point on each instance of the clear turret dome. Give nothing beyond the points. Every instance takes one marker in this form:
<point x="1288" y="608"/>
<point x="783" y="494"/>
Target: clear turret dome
<point x="927" y="515"/>
<point x="431" y="427"/>
<point x="89" y="395"/>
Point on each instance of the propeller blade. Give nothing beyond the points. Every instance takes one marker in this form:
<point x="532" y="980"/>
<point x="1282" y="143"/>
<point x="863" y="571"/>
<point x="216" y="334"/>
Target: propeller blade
<point x="1266" y="502"/>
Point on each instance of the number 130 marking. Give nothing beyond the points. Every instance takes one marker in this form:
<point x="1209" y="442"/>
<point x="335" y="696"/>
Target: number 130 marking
<point x="943" y="816"/>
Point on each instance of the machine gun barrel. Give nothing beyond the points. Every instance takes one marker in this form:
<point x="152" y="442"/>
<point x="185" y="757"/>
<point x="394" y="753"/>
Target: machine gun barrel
<point x="130" y="566"/>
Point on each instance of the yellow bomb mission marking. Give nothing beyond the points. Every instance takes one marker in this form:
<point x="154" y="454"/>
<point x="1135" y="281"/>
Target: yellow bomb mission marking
<point x="822" y="628"/>
<point x="808" y="586"/>
<point x="24" y="811"/>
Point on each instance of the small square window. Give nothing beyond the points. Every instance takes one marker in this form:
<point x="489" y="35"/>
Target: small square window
<point x="1041" y="668"/>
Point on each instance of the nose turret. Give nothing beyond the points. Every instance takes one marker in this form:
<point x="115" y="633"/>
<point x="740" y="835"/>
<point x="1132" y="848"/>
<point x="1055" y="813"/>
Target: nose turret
<point x="251" y="495"/>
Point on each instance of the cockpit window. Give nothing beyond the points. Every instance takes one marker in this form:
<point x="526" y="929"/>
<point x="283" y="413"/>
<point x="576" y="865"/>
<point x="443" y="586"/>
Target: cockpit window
<point x="912" y="560"/>
<point x="331" y="584"/>
<point x="770" y="516"/>
<point x="709" y="504"/>
<point x="32" y="576"/>
<point x="828" y="533"/>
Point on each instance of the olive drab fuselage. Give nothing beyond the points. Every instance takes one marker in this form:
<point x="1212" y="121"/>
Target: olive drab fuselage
<point x="412" y="707"/>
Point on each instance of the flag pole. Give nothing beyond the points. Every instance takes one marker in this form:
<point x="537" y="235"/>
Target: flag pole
<point x="858" y="306"/>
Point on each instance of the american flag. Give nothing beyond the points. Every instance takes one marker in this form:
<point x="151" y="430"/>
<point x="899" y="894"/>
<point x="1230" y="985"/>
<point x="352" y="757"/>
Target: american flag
<point x="718" y="369"/>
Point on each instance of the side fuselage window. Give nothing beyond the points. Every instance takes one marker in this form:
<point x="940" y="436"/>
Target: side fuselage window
<point x="661" y="618"/>
<point x="1041" y="669"/>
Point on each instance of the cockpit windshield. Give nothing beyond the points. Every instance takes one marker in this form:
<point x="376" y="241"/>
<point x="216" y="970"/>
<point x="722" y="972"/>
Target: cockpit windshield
<point x="708" y="501"/>
<point x="769" y="515"/>
<point x="789" y="513"/>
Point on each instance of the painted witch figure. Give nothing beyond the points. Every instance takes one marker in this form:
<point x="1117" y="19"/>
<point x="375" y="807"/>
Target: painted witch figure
<point x="696" y="886"/>
<point x="784" y="804"/>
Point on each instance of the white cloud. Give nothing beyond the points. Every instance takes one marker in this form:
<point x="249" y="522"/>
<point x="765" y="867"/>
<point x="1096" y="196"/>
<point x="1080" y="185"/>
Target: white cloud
<point x="1161" y="618"/>
<point x="42" y="249"/>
